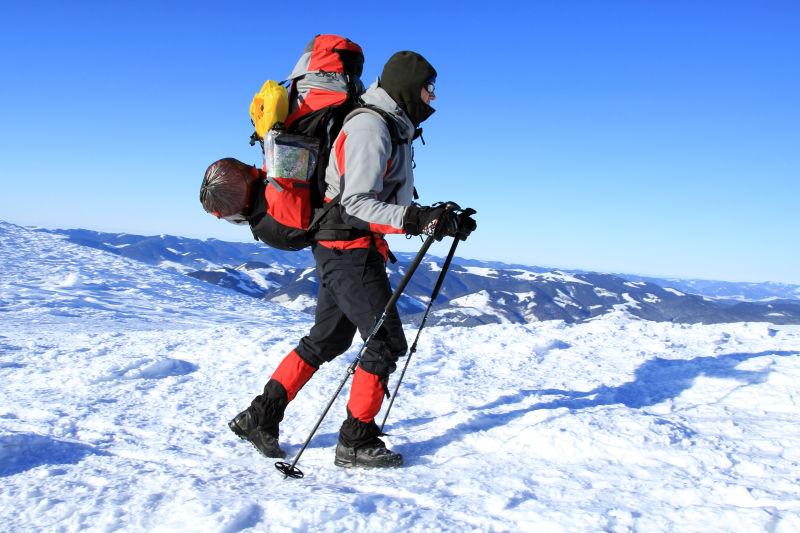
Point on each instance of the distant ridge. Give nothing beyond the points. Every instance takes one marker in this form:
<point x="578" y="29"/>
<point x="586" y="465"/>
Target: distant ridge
<point x="476" y="292"/>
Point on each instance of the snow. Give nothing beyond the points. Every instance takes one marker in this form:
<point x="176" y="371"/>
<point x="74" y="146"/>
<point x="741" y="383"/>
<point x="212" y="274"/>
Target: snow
<point x="563" y="300"/>
<point x="434" y="266"/>
<point x="307" y="273"/>
<point x="603" y="293"/>
<point x="119" y="379"/>
<point x="522" y="296"/>
<point x="635" y="284"/>
<point x="480" y="300"/>
<point x="630" y="301"/>
<point x="676" y="292"/>
<point x="299" y="303"/>
<point x="554" y="276"/>
<point x="177" y="267"/>
<point x="476" y="304"/>
<point x="257" y="277"/>
<point x="481" y="271"/>
<point x="651" y="298"/>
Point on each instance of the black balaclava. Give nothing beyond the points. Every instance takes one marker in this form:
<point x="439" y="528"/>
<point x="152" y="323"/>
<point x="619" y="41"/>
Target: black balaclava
<point x="402" y="78"/>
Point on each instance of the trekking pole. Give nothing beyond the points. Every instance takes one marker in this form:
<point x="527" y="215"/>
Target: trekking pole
<point x="291" y="470"/>
<point x="413" y="348"/>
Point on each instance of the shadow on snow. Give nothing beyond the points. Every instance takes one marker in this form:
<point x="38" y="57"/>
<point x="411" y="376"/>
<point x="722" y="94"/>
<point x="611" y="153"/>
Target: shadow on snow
<point x="654" y="381"/>
<point x="20" y="452"/>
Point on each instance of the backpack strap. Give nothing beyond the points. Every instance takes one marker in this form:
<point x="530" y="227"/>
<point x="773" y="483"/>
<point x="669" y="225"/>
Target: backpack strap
<point x="339" y="231"/>
<point x="320" y="214"/>
<point x="391" y="125"/>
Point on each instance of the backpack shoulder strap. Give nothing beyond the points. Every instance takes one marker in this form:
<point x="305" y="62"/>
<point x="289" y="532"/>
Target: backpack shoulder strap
<point x="391" y="125"/>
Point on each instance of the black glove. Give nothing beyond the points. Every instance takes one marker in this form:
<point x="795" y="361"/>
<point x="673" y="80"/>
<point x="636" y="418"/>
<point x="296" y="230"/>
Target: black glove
<point x="466" y="224"/>
<point x="439" y="220"/>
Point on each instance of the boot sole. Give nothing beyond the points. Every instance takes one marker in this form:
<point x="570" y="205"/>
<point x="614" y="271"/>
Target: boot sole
<point x="350" y="464"/>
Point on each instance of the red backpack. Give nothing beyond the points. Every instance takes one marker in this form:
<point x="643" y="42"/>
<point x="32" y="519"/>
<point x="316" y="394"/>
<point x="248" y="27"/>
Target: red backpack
<point x="323" y="88"/>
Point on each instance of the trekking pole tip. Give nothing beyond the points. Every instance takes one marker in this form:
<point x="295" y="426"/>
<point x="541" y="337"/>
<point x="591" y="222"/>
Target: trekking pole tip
<point x="289" y="471"/>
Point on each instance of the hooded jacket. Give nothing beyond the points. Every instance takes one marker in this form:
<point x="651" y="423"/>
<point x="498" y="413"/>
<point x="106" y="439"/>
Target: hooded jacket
<point x="376" y="185"/>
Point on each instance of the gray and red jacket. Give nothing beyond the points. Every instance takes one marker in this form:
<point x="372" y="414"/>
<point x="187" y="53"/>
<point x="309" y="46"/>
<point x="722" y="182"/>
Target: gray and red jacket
<point x="375" y="179"/>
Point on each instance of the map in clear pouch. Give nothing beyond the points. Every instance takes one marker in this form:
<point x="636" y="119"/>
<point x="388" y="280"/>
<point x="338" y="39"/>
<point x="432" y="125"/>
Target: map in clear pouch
<point x="290" y="156"/>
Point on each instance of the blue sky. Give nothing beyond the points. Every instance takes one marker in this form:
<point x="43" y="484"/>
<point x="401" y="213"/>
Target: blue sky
<point x="644" y="137"/>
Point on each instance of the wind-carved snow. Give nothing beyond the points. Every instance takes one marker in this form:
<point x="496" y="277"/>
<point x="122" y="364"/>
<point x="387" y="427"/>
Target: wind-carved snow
<point x="119" y="379"/>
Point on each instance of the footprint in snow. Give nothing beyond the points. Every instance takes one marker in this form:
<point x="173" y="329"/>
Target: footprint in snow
<point x="166" y="368"/>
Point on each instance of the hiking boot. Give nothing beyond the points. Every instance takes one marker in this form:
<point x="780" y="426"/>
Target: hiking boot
<point x="245" y="428"/>
<point x="369" y="456"/>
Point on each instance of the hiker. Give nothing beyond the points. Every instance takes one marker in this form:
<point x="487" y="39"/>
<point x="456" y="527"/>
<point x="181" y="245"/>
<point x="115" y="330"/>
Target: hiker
<point x="372" y="175"/>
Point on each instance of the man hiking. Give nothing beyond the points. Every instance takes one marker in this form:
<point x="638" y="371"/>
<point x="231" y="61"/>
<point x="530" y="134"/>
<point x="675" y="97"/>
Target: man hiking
<point x="370" y="169"/>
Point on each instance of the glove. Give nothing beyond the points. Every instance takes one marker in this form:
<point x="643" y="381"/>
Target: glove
<point x="439" y="220"/>
<point x="466" y="224"/>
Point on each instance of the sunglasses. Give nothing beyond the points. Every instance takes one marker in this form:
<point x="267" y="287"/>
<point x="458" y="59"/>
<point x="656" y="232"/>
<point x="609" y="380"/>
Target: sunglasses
<point x="430" y="87"/>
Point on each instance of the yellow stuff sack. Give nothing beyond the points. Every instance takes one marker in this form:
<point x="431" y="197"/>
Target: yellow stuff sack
<point x="269" y="106"/>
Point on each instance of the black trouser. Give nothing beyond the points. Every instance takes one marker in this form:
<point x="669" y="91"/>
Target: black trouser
<point x="353" y="291"/>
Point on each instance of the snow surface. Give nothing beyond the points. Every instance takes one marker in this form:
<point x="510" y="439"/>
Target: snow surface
<point x="298" y="303"/>
<point x="118" y="381"/>
<point x="676" y="292"/>
<point x="554" y="276"/>
<point x="481" y="271"/>
<point x="434" y="266"/>
<point x="603" y="293"/>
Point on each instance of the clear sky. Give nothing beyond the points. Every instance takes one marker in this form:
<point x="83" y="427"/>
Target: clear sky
<point x="658" y="137"/>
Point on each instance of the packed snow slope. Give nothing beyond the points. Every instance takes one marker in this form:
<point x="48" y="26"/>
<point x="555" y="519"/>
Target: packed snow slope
<point x="118" y="380"/>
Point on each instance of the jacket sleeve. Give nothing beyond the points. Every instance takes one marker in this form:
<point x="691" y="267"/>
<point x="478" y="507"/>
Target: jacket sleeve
<point x="363" y="149"/>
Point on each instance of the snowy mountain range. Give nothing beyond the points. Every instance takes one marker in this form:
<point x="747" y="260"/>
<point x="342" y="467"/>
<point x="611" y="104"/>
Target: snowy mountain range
<point x="474" y="292"/>
<point x="119" y="377"/>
